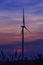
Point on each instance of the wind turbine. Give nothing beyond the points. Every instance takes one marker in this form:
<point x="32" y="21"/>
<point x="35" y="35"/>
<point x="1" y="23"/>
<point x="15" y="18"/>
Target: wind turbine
<point x="23" y="27"/>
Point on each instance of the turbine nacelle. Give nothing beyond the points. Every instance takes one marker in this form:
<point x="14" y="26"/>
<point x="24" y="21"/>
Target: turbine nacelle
<point x="25" y="28"/>
<point x="22" y="26"/>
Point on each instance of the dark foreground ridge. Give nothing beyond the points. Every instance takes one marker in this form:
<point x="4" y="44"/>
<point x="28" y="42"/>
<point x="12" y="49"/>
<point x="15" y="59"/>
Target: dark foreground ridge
<point x="25" y="62"/>
<point x="16" y="60"/>
<point x="37" y="61"/>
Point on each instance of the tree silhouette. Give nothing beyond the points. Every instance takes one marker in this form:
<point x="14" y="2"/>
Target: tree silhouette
<point x="12" y="58"/>
<point x="2" y="55"/>
<point x="16" y="54"/>
<point x="19" y="56"/>
<point x="39" y="56"/>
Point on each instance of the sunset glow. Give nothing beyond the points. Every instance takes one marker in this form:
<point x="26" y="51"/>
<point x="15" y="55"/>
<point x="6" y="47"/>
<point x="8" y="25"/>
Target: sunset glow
<point x="11" y="19"/>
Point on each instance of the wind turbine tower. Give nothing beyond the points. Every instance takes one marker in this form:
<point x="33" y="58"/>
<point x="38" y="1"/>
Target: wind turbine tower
<point x="23" y="27"/>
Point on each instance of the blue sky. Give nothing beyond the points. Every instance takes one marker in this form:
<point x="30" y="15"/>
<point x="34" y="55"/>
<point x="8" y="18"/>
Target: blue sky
<point x="10" y="9"/>
<point x="11" y="15"/>
<point x="12" y="4"/>
<point x="11" y="20"/>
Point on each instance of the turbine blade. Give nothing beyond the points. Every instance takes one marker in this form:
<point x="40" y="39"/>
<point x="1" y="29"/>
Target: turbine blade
<point x="23" y="18"/>
<point x="27" y="29"/>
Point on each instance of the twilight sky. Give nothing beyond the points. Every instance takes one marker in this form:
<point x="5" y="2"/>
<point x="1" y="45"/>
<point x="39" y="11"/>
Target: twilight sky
<point x="11" y="20"/>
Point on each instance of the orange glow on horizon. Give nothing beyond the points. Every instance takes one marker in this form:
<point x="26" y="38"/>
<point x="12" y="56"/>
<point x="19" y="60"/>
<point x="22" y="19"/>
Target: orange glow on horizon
<point x="12" y="38"/>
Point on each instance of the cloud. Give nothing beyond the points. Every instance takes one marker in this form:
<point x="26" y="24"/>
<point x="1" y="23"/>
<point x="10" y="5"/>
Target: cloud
<point x="40" y="23"/>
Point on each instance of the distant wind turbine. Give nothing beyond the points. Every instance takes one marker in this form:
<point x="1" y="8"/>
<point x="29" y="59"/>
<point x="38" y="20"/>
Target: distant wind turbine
<point x="23" y="26"/>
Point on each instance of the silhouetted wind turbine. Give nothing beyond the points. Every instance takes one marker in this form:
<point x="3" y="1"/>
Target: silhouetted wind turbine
<point x="23" y="26"/>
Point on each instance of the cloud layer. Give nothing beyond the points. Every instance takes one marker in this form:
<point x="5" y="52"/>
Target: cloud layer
<point x="11" y="20"/>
